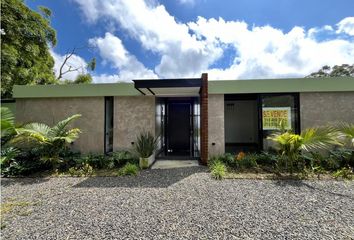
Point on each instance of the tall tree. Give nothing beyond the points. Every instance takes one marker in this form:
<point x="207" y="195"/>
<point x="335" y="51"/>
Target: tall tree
<point x="25" y="40"/>
<point x="344" y="70"/>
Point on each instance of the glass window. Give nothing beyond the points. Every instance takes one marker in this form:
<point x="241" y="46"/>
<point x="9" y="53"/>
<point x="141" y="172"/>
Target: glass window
<point x="108" y="124"/>
<point x="277" y="110"/>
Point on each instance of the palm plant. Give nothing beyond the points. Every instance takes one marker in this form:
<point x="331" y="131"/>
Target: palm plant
<point x="290" y="144"/>
<point x="346" y="133"/>
<point x="7" y="121"/>
<point x="49" y="141"/>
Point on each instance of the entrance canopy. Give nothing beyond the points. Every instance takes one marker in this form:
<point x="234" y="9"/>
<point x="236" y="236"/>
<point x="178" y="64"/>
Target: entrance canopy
<point x="169" y="87"/>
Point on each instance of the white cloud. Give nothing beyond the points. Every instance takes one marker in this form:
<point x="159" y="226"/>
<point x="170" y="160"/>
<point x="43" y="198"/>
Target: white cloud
<point x="74" y="61"/>
<point x="112" y="50"/>
<point x="346" y="26"/>
<point x="90" y="9"/>
<point x="187" y="2"/>
<point x="105" y="78"/>
<point x="157" y="31"/>
<point x="266" y="52"/>
<point x="188" y="49"/>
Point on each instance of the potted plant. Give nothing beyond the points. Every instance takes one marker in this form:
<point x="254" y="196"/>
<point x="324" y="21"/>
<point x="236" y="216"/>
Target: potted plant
<point x="145" y="146"/>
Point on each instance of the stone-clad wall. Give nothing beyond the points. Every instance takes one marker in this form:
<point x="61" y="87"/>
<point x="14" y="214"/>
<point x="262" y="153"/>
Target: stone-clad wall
<point x="318" y="109"/>
<point x="216" y="124"/>
<point x="131" y="116"/>
<point x="52" y="110"/>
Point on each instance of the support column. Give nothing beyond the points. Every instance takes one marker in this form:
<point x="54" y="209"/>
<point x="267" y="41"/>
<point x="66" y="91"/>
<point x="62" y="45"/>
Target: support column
<point x="204" y="120"/>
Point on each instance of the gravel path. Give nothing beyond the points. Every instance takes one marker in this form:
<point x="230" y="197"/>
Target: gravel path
<point x="178" y="204"/>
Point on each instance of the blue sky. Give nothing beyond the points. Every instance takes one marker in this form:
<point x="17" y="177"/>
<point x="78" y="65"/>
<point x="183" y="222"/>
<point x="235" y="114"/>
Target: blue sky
<point x="230" y="39"/>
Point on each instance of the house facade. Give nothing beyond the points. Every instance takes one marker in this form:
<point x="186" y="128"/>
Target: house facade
<point x="193" y="118"/>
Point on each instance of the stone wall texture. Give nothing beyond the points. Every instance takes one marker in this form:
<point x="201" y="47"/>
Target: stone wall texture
<point x="216" y="127"/>
<point x="318" y="109"/>
<point x="131" y="116"/>
<point x="52" y="110"/>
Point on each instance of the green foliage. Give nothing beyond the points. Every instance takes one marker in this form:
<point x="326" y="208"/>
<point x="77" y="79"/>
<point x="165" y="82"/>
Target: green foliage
<point x="21" y="163"/>
<point x="97" y="161"/>
<point x="7" y="122"/>
<point x="346" y="131"/>
<point x="249" y="161"/>
<point x="128" y="169"/>
<point x="83" y="170"/>
<point x="120" y="158"/>
<point x="344" y="173"/>
<point x="145" y="144"/>
<point x="8" y="154"/>
<point x="83" y="78"/>
<point x="290" y="144"/>
<point x="80" y="79"/>
<point x="344" y="70"/>
<point x="218" y="170"/>
<point x="48" y="141"/>
<point x="266" y="159"/>
<point x="47" y="13"/>
<point x="25" y="56"/>
<point x="91" y="65"/>
<point x="228" y="159"/>
<point x="246" y="161"/>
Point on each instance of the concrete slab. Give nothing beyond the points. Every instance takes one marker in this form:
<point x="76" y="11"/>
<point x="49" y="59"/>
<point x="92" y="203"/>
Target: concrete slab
<point x="168" y="164"/>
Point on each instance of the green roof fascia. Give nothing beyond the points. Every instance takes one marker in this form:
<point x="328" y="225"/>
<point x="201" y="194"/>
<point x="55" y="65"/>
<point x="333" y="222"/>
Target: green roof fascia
<point x="340" y="84"/>
<point x="335" y="84"/>
<point x="75" y="90"/>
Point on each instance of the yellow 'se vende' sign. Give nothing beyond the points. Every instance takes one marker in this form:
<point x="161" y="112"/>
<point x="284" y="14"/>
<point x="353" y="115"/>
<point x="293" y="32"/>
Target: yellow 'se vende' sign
<point x="274" y="116"/>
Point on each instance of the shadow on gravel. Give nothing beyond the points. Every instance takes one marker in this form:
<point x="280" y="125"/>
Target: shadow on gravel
<point x="153" y="178"/>
<point x="300" y="183"/>
<point x="5" y="182"/>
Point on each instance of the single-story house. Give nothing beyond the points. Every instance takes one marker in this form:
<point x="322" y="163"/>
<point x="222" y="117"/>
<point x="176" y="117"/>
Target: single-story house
<point x="194" y="118"/>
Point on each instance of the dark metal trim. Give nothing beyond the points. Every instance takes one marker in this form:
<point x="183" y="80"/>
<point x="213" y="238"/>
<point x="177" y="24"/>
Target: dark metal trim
<point x="140" y="91"/>
<point x="150" y="91"/>
<point x="8" y="100"/>
<point x="168" y="83"/>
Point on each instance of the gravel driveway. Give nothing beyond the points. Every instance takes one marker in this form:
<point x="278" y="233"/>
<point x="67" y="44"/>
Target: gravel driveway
<point x="180" y="203"/>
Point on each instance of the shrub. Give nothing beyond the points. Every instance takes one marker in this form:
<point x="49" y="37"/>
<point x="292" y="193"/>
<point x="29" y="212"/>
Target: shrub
<point x="81" y="171"/>
<point x="230" y="160"/>
<point x="344" y="173"/>
<point x="129" y="169"/>
<point x="267" y="159"/>
<point x="120" y="158"/>
<point x="218" y="170"/>
<point x="19" y="163"/>
<point x="343" y="157"/>
<point x="335" y="160"/>
<point x="248" y="161"/>
<point x="97" y="161"/>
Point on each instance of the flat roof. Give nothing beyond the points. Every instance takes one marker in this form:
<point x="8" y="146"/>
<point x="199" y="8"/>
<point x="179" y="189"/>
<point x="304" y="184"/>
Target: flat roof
<point x="335" y="84"/>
